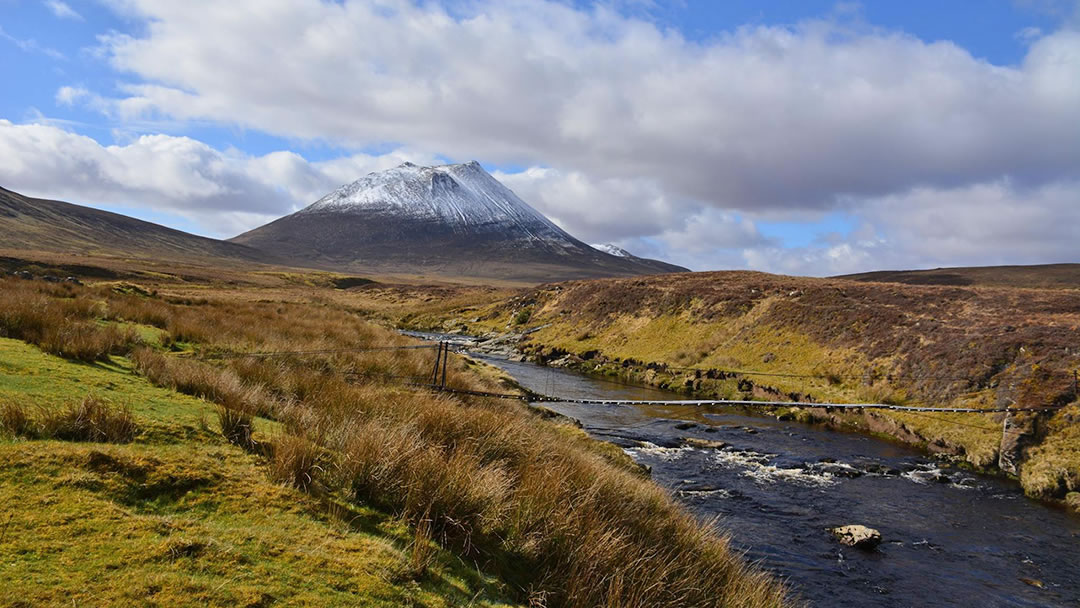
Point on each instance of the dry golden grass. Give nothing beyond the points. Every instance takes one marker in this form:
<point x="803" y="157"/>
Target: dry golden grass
<point x="51" y="317"/>
<point x="90" y="419"/>
<point x="549" y="512"/>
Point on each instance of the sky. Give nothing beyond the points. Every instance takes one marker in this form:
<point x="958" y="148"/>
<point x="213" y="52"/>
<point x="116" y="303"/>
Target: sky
<point x="797" y="136"/>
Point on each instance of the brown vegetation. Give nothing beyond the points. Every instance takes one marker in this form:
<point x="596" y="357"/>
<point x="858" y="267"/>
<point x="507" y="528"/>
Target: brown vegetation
<point x="566" y="522"/>
<point x="52" y="318"/>
<point x="90" y="419"/>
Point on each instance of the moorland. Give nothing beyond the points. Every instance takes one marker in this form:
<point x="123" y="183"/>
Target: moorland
<point x="147" y="456"/>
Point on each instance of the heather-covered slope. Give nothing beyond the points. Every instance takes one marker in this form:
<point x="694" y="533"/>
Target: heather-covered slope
<point x="1062" y="276"/>
<point x="451" y="220"/>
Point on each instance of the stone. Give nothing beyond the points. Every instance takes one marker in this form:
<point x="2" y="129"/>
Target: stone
<point x="1072" y="499"/>
<point x="857" y="536"/>
<point x="704" y="443"/>
<point x="1018" y="431"/>
<point x="836" y="469"/>
<point x="683" y="426"/>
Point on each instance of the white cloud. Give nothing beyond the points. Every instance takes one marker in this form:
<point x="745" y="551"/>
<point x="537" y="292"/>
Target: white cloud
<point x="781" y="117"/>
<point x="228" y="192"/>
<point x="598" y="210"/>
<point x="67" y="96"/>
<point x="991" y="223"/>
<point x="62" y="10"/>
<point x="631" y="133"/>
<point x="223" y="192"/>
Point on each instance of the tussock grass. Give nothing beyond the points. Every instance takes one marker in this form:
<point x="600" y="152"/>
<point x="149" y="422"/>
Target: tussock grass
<point x="60" y="323"/>
<point x="15" y="421"/>
<point x="91" y="419"/>
<point x="555" y="515"/>
<point x="294" y="461"/>
<point x="237" y="426"/>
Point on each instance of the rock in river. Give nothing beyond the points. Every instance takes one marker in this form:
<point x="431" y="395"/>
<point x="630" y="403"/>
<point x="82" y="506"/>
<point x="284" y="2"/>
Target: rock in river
<point x="857" y="536"/>
<point x="694" y="442"/>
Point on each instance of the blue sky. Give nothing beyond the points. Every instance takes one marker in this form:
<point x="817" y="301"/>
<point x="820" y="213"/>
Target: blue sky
<point x="113" y="72"/>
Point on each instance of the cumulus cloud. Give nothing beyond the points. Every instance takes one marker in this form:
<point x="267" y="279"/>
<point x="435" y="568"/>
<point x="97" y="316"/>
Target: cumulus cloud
<point x="628" y="131"/>
<point x="781" y="117"/>
<point x="228" y="192"/>
<point x="598" y="210"/>
<point x="224" y="192"/>
<point x="997" y="222"/>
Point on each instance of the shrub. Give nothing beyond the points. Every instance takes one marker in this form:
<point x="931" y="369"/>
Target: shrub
<point x="91" y="419"/>
<point x="237" y="426"/>
<point x="294" y="461"/>
<point x="15" y="421"/>
<point x="522" y="316"/>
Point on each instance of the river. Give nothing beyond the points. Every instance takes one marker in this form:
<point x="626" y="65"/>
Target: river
<point x="951" y="537"/>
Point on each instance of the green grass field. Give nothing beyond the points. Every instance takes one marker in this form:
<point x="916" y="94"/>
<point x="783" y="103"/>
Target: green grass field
<point x="179" y="517"/>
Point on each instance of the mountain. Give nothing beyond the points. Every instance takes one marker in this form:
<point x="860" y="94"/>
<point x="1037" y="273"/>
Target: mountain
<point x="448" y="220"/>
<point x="34" y="224"/>
<point x="1059" y="276"/>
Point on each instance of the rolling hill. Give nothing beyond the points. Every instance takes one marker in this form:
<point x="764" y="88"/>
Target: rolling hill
<point x="41" y="225"/>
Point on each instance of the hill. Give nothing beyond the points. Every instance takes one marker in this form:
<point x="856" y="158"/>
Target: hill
<point x="450" y="220"/>
<point x="34" y="224"/>
<point x="1063" y="276"/>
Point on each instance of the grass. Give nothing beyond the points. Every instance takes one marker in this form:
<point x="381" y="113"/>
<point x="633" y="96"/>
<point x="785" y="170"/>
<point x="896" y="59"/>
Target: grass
<point x="551" y="514"/>
<point x="180" y="517"/>
<point x="1053" y="467"/>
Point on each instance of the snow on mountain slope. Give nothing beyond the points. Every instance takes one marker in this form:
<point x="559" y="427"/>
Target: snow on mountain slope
<point x="614" y="250"/>
<point x="462" y="196"/>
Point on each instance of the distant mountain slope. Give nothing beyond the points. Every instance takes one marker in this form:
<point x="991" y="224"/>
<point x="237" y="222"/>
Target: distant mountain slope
<point x="35" y="224"/>
<point x="450" y="220"/>
<point x="619" y="252"/>
<point x="1041" y="275"/>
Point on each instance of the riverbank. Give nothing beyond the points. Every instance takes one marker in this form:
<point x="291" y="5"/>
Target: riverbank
<point x="949" y="536"/>
<point x="754" y="336"/>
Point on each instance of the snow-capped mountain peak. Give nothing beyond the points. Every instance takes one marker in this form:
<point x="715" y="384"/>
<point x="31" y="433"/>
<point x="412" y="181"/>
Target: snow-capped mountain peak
<point x="463" y="195"/>
<point x="450" y="220"/>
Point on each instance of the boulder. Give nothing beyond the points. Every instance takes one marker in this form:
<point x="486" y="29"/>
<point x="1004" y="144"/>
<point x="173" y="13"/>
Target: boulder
<point x="857" y="536"/>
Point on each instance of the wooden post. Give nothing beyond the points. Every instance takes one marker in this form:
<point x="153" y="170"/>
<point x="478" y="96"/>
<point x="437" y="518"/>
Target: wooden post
<point x="446" y="357"/>
<point x="438" y="359"/>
